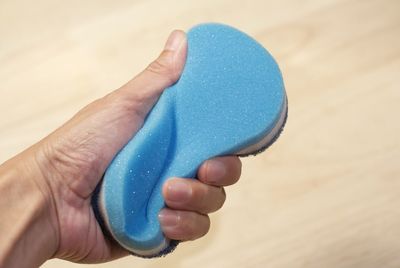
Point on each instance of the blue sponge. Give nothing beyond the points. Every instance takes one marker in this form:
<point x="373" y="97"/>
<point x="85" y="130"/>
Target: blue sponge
<point x="230" y="100"/>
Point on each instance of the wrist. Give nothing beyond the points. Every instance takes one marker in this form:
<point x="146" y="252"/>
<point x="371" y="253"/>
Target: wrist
<point x="27" y="231"/>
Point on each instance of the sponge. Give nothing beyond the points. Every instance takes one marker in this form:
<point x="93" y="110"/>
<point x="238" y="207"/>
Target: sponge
<point x="229" y="100"/>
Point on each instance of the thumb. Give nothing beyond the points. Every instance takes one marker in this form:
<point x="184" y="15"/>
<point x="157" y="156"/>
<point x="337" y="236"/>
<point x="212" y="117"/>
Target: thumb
<point x="144" y="89"/>
<point x="83" y="147"/>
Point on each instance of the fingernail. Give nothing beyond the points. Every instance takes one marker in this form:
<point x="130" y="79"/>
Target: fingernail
<point x="174" y="40"/>
<point x="168" y="218"/>
<point x="216" y="170"/>
<point x="178" y="191"/>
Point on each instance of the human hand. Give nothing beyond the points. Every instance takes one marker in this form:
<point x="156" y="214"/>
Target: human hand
<point x="68" y="164"/>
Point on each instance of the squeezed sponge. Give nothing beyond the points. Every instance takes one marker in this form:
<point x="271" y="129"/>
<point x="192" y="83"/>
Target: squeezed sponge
<point x="230" y="99"/>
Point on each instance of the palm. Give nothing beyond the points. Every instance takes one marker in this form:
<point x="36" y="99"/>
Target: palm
<point x="81" y="158"/>
<point x="81" y="238"/>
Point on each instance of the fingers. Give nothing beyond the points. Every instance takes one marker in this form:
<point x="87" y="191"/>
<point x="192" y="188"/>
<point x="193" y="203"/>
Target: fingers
<point x="189" y="200"/>
<point x="193" y="195"/>
<point x="220" y="171"/>
<point x="183" y="225"/>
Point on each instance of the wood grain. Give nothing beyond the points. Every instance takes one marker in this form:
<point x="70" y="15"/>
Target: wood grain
<point x="326" y="195"/>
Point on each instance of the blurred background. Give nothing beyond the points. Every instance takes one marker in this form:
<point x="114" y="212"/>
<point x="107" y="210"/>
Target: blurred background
<point x="327" y="194"/>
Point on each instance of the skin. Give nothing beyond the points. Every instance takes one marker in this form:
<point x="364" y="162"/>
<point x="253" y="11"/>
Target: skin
<point x="45" y="191"/>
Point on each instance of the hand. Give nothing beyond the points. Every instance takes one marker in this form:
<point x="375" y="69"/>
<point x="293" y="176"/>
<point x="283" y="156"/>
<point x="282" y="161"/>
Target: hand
<point x="68" y="164"/>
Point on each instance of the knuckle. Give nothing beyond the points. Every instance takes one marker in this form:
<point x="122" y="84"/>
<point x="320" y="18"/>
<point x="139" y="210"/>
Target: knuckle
<point x="200" y="196"/>
<point x="198" y="226"/>
<point x="235" y="171"/>
<point x="239" y="168"/>
<point x="163" y="66"/>
<point x="207" y="224"/>
<point x="234" y="164"/>
<point x="207" y="199"/>
<point x="193" y="225"/>
<point x="223" y="198"/>
<point x="205" y="227"/>
<point x="220" y="197"/>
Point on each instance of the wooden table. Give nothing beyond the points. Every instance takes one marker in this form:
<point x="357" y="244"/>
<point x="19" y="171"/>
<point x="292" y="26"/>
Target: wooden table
<point x="326" y="195"/>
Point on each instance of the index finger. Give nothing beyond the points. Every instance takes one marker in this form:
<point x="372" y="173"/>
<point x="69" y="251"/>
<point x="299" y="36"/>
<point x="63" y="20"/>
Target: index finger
<point x="220" y="171"/>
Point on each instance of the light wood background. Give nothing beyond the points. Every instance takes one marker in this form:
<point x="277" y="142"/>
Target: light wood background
<point x="327" y="194"/>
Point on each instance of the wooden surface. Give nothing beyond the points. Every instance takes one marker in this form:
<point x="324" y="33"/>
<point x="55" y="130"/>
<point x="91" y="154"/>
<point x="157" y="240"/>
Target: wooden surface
<point x="326" y="195"/>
